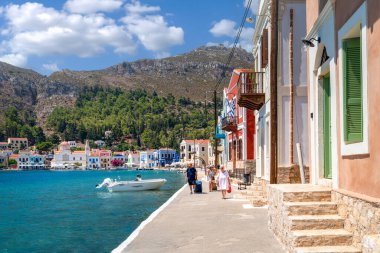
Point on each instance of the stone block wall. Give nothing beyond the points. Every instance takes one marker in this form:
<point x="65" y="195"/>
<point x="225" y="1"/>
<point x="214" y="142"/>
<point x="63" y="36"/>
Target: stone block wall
<point x="292" y="175"/>
<point x="276" y="215"/>
<point x="362" y="219"/>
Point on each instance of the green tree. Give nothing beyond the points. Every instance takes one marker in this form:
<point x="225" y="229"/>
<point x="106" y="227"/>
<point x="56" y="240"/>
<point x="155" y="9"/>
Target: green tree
<point x="44" y="146"/>
<point x="12" y="162"/>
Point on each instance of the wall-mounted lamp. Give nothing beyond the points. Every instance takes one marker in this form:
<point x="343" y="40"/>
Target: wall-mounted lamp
<point x="309" y="43"/>
<point x="251" y="19"/>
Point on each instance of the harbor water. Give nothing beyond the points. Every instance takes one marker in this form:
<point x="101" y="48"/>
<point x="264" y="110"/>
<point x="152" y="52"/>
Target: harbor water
<point x="54" y="211"/>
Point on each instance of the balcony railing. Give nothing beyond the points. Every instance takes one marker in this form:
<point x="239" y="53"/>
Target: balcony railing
<point x="251" y="90"/>
<point x="229" y="124"/>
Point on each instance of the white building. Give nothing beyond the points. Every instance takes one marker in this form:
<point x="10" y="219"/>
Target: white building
<point x="64" y="158"/>
<point x="195" y="152"/>
<point x="73" y="144"/>
<point x="29" y="161"/>
<point x="298" y="80"/>
<point x="147" y="158"/>
<point x="18" y="143"/>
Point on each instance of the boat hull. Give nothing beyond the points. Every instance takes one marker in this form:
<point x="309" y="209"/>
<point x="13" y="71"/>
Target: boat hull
<point x="143" y="185"/>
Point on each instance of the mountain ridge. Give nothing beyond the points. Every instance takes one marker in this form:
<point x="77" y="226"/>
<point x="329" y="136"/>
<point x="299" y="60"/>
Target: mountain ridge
<point x="188" y="75"/>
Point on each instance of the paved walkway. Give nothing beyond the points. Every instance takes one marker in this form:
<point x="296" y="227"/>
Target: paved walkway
<point x="205" y="223"/>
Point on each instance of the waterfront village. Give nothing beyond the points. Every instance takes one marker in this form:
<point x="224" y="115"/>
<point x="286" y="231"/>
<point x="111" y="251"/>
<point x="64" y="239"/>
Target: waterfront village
<point x="297" y="132"/>
<point x="69" y="155"/>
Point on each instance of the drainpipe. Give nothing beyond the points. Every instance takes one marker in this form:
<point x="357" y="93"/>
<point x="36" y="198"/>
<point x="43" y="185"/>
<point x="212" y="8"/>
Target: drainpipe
<point x="273" y="91"/>
<point x="291" y="109"/>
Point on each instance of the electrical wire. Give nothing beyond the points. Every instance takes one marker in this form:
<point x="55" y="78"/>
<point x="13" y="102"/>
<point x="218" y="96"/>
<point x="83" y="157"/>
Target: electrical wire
<point x="225" y="67"/>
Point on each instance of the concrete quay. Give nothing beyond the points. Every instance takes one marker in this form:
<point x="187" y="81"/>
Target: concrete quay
<point x="205" y="223"/>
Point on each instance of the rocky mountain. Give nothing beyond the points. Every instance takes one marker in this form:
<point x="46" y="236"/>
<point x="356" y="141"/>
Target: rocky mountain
<point x="189" y="75"/>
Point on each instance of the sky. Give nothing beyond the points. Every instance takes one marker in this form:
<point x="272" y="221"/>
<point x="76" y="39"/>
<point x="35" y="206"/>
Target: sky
<point x="51" y="35"/>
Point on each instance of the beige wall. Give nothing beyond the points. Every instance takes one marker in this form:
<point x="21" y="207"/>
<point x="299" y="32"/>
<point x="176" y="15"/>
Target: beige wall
<point x="312" y="13"/>
<point x="361" y="173"/>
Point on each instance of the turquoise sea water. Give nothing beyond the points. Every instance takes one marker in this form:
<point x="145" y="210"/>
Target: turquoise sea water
<point x="52" y="211"/>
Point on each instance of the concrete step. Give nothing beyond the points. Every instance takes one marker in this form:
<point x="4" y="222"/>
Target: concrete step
<point x="310" y="208"/>
<point x="315" y="222"/>
<point x="327" y="249"/>
<point x="325" y="237"/>
<point x="307" y="196"/>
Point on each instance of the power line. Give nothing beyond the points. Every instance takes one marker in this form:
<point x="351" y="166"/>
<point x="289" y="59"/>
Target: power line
<point x="235" y="44"/>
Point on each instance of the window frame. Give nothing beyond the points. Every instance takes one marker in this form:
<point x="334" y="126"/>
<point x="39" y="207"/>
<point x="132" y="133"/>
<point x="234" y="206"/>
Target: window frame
<point x="358" y="18"/>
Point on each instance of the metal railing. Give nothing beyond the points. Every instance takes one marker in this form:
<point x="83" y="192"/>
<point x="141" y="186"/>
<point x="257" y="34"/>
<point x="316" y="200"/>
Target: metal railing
<point x="229" y="121"/>
<point x="251" y="83"/>
<point x="244" y="175"/>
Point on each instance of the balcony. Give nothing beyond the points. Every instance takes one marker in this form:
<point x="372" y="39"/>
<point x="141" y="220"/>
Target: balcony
<point x="229" y="124"/>
<point x="251" y="90"/>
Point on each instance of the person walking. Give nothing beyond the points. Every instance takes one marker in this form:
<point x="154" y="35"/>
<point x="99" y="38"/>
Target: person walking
<point x="191" y="174"/>
<point x="223" y="181"/>
<point x="211" y="178"/>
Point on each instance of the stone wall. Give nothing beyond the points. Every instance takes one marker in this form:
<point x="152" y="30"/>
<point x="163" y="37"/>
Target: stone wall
<point x="292" y="175"/>
<point x="362" y="218"/>
<point x="276" y="218"/>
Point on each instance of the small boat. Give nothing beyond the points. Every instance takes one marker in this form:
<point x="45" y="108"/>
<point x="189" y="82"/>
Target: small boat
<point x="137" y="185"/>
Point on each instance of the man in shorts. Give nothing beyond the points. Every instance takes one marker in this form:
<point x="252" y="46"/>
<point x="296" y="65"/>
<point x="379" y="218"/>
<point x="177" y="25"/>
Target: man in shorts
<point x="191" y="174"/>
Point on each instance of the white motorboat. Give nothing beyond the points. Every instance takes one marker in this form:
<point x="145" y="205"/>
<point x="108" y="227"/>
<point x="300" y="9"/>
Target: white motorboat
<point x="136" y="185"/>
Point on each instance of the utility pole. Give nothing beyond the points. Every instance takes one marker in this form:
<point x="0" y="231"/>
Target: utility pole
<point x="215" y="128"/>
<point x="273" y="91"/>
<point x="291" y="112"/>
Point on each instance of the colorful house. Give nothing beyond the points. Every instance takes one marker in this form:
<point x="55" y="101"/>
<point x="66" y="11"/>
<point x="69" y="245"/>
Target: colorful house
<point x="4" y="145"/>
<point x="238" y="123"/>
<point x="165" y="156"/>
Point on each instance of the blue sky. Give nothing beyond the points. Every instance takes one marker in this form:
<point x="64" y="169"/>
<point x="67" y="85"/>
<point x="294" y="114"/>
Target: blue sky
<point x="50" y="35"/>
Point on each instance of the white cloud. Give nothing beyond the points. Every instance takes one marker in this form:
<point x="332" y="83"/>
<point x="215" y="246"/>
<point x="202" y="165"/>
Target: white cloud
<point x="228" y="28"/>
<point x="51" y="67"/>
<point x="92" y="6"/>
<point x="137" y="8"/>
<point x="224" y="27"/>
<point x="14" y="59"/>
<point x="33" y="29"/>
<point x="153" y="31"/>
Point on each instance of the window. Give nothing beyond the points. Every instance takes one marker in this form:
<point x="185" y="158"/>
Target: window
<point x="189" y="148"/>
<point x="264" y="48"/>
<point x="203" y="148"/>
<point x="240" y="149"/>
<point x="353" y="82"/>
<point x="230" y="151"/>
<point x="352" y="85"/>
<point x="189" y="156"/>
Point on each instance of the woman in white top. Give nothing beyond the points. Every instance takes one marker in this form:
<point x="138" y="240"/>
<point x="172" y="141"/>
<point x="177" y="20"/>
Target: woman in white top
<point x="223" y="181"/>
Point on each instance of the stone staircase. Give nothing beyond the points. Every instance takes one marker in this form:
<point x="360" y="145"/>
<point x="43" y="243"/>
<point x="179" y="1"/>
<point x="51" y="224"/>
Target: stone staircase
<point x="306" y="220"/>
<point x="254" y="193"/>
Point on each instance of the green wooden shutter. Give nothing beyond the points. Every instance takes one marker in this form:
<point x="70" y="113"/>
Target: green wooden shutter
<point x="352" y="78"/>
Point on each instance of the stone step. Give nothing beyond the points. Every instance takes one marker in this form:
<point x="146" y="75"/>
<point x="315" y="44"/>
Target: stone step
<point x="307" y="196"/>
<point x="327" y="249"/>
<point x="252" y="193"/>
<point x="310" y="208"/>
<point x="314" y="222"/>
<point x="325" y="237"/>
<point x="258" y="201"/>
<point x="255" y="188"/>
